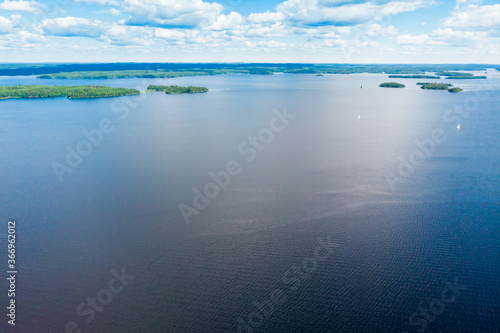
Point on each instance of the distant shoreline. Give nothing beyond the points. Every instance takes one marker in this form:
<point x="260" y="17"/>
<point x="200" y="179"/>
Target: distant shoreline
<point x="168" y="70"/>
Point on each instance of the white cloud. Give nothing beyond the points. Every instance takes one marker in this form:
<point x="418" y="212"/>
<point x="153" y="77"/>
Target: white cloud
<point x="270" y="44"/>
<point x="21" y="6"/>
<point x="172" y="13"/>
<point x="72" y="26"/>
<point x="314" y="29"/>
<point x="7" y="25"/>
<point x="169" y="34"/>
<point x="127" y="35"/>
<point x="27" y="36"/>
<point x="444" y="36"/>
<point x="15" y="39"/>
<point x="326" y="35"/>
<point x="378" y="30"/>
<point x="266" y="17"/>
<point x="459" y="38"/>
<point x="326" y="32"/>
<point x="413" y="40"/>
<point x="226" y="22"/>
<point x="101" y="2"/>
<point x="324" y="12"/>
<point x="259" y="30"/>
<point x="348" y="47"/>
<point x="137" y="36"/>
<point x="460" y="3"/>
<point x="474" y="17"/>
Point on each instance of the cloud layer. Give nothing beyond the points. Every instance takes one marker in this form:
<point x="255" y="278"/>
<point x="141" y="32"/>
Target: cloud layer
<point x="337" y="30"/>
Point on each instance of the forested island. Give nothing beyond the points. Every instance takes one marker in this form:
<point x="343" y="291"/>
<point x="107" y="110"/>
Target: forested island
<point x="391" y="85"/>
<point x="413" y="77"/>
<point x="447" y="75"/>
<point x="72" y="92"/>
<point x="178" y="90"/>
<point x="434" y="86"/>
<point x="467" y="77"/>
<point x="460" y="76"/>
<point x="439" y="86"/>
<point x="144" y="74"/>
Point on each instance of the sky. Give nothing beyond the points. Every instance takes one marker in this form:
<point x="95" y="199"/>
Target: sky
<point x="292" y="31"/>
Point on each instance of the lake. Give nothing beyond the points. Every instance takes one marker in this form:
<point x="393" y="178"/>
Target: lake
<point x="265" y="205"/>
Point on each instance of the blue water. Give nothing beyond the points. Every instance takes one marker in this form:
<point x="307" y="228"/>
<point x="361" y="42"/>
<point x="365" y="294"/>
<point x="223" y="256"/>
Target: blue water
<point x="325" y="175"/>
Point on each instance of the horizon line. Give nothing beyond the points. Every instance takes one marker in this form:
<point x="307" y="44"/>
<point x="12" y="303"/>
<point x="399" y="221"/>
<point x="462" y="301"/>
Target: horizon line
<point x="244" y="62"/>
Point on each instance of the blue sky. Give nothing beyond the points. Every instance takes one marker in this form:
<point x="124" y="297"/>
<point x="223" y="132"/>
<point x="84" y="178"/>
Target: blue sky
<point x="319" y="31"/>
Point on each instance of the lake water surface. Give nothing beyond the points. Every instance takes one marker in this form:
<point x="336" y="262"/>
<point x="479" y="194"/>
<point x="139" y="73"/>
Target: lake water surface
<point x="323" y="176"/>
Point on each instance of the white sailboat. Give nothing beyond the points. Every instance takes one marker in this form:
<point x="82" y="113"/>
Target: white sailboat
<point x="359" y="117"/>
<point x="458" y="127"/>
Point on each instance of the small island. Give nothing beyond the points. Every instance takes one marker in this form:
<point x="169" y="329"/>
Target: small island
<point x="392" y="85"/>
<point x="413" y="77"/>
<point x="71" y="92"/>
<point x="434" y="86"/>
<point x="178" y="90"/>
<point x="439" y="86"/>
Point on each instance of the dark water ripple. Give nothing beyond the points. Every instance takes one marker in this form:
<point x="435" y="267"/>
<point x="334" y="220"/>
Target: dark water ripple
<point x="324" y="176"/>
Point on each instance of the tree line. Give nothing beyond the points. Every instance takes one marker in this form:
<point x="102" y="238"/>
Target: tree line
<point x="74" y="92"/>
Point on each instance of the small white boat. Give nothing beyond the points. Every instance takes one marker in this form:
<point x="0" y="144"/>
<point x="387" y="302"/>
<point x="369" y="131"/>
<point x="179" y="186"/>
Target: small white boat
<point x="458" y="127"/>
<point x="359" y="117"/>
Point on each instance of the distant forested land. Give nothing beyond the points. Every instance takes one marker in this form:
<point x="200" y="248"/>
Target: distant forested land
<point x="391" y="85"/>
<point x="151" y="74"/>
<point x="178" y="89"/>
<point x="413" y="77"/>
<point x="74" y="92"/>
<point x="135" y="74"/>
<point x="230" y="68"/>
<point x="460" y="75"/>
